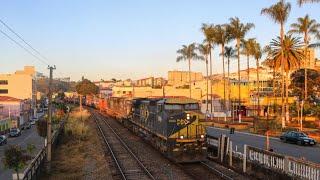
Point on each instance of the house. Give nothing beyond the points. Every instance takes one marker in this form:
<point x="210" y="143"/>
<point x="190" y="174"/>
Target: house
<point x="15" y="112"/>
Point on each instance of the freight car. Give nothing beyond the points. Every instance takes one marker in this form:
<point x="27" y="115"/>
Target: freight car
<point x="169" y="124"/>
<point x="119" y="108"/>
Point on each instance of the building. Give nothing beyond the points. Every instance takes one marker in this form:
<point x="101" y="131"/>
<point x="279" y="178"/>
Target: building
<point x="181" y="78"/>
<point x="14" y="112"/>
<point x="151" y="81"/>
<point x="20" y="85"/>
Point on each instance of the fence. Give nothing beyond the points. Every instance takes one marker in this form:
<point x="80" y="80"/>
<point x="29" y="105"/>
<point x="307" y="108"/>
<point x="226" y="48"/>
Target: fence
<point x="254" y="160"/>
<point x="34" y="167"/>
<point x="291" y="166"/>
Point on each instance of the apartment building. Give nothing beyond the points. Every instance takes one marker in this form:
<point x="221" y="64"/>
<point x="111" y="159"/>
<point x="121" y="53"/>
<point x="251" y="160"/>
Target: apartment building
<point x="20" y="85"/>
<point x="151" y="81"/>
<point x="181" y="78"/>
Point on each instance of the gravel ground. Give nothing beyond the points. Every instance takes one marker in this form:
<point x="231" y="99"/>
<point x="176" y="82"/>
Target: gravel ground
<point x="160" y="167"/>
<point x="74" y="159"/>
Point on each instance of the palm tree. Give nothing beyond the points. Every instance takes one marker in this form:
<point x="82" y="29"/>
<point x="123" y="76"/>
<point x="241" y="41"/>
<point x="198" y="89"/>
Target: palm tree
<point x="204" y="50"/>
<point x="300" y="2"/>
<point x="238" y="31"/>
<point x="247" y="50"/>
<point x="222" y="37"/>
<point x="208" y="31"/>
<point x="279" y="13"/>
<point x="257" y="54"/>
<point x="229" y="53"/>
<point x="188" y="53"/>
<point x="307" y="27"/>
<point x="286" y="55"/>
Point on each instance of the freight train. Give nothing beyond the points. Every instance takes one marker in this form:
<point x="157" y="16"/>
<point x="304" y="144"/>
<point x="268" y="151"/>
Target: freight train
<point x="170" y="124"/>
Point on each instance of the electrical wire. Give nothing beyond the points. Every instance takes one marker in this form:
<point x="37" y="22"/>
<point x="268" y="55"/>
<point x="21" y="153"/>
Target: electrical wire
<point x="42" y="58"/>
<point x="21" y="46"/>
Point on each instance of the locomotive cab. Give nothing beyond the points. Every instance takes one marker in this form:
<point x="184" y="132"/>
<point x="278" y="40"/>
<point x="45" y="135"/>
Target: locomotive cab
<point x="187" y="142"/>
<point x="171" y="125"/>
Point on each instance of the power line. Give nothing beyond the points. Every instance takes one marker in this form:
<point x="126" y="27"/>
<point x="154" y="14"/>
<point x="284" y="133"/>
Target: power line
<point x="43" y="60"/>
<point x="28" y="44"/>
<point x="17" y="43"/>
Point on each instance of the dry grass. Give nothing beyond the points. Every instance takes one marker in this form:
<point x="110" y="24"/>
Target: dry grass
<point x="79" y="158"/>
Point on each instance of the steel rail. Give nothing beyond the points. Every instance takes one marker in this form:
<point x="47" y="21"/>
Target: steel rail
<point x="110" y="149"/>
<point x="128" y="149"/>
<point x="224" y="176"/>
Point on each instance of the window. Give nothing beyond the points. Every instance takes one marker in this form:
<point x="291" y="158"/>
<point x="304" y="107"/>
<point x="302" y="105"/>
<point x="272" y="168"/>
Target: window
<point x="173" y="107"/>
<point x="3" y="82"/>
<point x="191" y="107"/>
<point x="3" y="91"/>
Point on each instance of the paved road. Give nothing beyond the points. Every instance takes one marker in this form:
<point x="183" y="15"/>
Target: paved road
<point x="28" y="136"/>
<point x="311" y="153"/>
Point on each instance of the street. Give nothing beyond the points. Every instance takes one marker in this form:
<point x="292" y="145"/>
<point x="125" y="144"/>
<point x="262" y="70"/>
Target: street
<point x="28" y="136"/>
<point x="311" y="153"/>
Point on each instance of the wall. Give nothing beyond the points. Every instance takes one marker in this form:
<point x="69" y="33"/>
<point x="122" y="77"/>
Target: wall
<point x="180" y="78"/>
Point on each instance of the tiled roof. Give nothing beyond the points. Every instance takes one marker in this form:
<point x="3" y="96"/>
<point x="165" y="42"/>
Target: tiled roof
<point x="8" y="98"/>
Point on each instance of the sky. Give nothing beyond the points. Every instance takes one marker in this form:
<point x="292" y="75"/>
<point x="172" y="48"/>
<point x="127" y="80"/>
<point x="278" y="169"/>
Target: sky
<point x="104" y="39"/>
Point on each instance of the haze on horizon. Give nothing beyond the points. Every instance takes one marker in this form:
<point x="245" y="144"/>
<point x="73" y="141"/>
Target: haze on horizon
<point x="124" y="39"/>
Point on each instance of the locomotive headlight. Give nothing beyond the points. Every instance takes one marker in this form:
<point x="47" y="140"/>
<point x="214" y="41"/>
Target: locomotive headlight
<point x="202" y="136"/>
<point x="181" y="137"/>
<point x="188" y="116"/>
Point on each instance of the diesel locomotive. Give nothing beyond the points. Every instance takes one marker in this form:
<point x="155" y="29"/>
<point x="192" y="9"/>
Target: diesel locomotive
<point x="170" y="124"/>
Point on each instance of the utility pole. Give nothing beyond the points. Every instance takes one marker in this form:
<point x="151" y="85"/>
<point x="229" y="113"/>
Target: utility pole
<point x="49" y="135"/>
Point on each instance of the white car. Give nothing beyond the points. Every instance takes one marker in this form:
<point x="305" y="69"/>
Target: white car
<point x="33" y="122"/>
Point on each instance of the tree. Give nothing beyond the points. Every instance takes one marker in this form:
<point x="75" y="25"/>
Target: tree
<point x="15" y="158"/>
<point x="229" y="53"/>
<point x="286" y="56"/>
<point x="247" y="50"/>
<point x="307" y="27"/>
<point x="222" y="37"/>
<point x="256" y="51"/>
<point x="279" y="13"/>
<point x="297" y="83"/>
<point x="188" y="53"/>
<point x="238" y="31"/>
<point x="86" y="87"/>
<point x="204" y="50"/>
<point x="208" y="31"/>
<point x="42" y="127"/>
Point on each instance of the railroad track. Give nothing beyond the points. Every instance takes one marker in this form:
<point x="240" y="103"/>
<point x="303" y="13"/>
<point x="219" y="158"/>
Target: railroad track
<point x="216" y="171"/>
<point x="203" y="170"/>
<point x="127" y="163"/>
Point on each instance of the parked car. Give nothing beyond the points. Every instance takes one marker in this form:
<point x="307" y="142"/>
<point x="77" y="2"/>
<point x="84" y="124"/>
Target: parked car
<point x="14" y="132"/>
<point x="3" y="140"/>
<point x="296" y="137"/>
<point x="32" y="122"/>
<point x="34" y="119"/>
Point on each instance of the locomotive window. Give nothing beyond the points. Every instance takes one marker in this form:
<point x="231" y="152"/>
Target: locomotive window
<point x="160" y="107"/>
<point x="191" y="106"/>
<point x="173" y="107"/>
